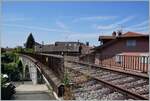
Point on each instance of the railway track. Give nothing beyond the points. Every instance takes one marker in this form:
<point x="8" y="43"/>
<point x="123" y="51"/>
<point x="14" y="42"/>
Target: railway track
<point x="86" y="88"/>
<point x="107" y="84"/>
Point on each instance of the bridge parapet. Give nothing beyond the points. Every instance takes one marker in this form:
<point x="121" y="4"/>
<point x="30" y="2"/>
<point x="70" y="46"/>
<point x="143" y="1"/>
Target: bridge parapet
<point x="54" y="62"/>
<point x="51" y="66"/>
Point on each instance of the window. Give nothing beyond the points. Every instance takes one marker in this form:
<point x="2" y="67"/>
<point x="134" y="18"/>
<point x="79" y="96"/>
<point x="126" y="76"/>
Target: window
<point x="69" y="44"/>
<point x="131" y="43"/>
<point x="75" y="45"/>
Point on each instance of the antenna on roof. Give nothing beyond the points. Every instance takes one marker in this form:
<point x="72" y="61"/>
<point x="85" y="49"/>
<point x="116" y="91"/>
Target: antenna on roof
<point x="120" y="30"/>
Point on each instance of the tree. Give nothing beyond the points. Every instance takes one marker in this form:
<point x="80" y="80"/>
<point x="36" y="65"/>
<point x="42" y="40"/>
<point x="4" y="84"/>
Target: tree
<point x="11" y="65"/>
<point x="30" y="41"/>
<point x="20" y="66"/>
<point x="19" y="49"/>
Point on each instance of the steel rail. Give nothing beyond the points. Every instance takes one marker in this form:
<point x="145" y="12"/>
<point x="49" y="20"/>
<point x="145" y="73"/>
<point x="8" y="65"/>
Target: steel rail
<point x="110" y="69"/>
<point x="119" y="89"/>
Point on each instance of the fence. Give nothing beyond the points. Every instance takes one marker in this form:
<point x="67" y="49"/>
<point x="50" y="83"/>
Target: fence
<point x="138" y="63"/>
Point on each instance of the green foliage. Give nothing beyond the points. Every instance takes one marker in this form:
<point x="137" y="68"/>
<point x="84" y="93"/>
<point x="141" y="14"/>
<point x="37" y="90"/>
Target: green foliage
<point x="11" y="65"/>
<point x="19" y="50"/>
<point x="9" y="57"/>
<point x="28" y="50"/>
<point x="13" y="70"/>
<point x="30" y="41"/>
<point x="5" y="58"/>
<point x="3" y="80"/>
<point x="66" y="80"/>
<point x="2" y="50"/>
<point x="19" y="66"/>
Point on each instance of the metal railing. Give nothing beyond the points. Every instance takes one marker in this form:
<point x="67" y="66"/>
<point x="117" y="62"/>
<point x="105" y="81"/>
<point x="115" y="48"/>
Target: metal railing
<point x="138" y="63"/>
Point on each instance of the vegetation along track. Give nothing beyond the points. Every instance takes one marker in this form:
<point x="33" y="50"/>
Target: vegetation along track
<point x="106" y="84"/>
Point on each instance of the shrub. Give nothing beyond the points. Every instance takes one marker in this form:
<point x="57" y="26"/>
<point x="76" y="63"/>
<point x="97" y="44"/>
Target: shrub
<point x="66" y="80"/>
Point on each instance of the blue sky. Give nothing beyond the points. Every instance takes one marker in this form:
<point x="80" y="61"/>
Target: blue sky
<point x="70" y="21"/>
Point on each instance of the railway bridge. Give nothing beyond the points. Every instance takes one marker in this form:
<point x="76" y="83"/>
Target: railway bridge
<point x="43" y="67"/>
<point x="107" y="83"/>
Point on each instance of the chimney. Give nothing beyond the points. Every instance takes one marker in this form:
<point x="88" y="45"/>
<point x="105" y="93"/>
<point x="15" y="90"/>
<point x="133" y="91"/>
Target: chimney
<point x="119" y="33"/>
<point x="87" y="43"/>
<point x="114" y="34"/>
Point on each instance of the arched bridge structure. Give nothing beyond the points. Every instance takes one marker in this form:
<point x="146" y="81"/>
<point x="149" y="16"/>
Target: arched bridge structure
<point x="46" y="66"/>
<point x="54" y="68"/>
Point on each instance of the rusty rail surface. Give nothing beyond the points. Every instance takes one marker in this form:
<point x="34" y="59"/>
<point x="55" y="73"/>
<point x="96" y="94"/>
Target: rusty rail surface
<point x="47" y="69"/>
<point x="119" y="89"/>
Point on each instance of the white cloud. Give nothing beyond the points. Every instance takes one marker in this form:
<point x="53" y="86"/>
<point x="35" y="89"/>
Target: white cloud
<point x="114" y="25"/>
<point x="141" y="27"/>
<point x="13" y="18"/>
<point x="70" y="35"/>
<point x="36" y="28"/>
<point x="104" y="27"/>
<point x="65" y="33"/>
<point x="140" y="24"/>
<point x="137" y="29"/>
<point x="94" y="18"/>
<point x="84" y="36"/>
<point x="61" y="25"/>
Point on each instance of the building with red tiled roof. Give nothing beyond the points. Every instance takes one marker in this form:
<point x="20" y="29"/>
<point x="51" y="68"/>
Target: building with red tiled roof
<point x="130" y="43"/>
<point x="132" y="34"/>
